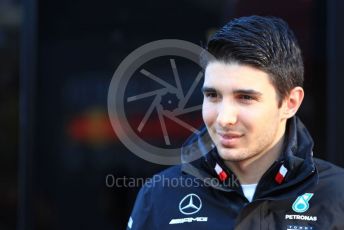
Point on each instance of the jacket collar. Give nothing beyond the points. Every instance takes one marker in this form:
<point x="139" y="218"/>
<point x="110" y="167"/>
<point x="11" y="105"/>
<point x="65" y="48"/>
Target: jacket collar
<point x="200" y="157"/>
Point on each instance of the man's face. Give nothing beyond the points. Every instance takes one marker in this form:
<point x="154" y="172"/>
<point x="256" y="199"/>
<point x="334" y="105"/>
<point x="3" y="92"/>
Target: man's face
<point x="240" y="110"/>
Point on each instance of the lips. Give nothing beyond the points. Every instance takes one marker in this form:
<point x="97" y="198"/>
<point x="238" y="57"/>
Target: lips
<point x="230" y="139"/>
<point x="230" y="135"/>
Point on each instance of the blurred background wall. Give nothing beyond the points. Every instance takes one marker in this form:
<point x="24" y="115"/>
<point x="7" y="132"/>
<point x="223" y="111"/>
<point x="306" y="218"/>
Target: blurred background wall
<point x="57" y="59"/>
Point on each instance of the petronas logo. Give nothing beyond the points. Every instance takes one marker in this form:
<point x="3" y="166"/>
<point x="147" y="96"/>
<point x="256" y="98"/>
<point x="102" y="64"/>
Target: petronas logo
<point x="301" y="203"/>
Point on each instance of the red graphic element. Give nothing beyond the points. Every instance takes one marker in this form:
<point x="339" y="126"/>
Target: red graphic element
<point x="281" y="174"/>
<point x="220" y="172"/>
<point x="94" y="127"/>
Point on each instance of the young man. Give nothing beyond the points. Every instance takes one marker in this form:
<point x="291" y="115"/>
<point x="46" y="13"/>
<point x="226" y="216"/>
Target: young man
<point x="257" y="169"/>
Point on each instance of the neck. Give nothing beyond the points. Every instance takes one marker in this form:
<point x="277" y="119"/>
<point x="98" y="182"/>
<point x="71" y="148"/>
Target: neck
<point x="251" y="170"/>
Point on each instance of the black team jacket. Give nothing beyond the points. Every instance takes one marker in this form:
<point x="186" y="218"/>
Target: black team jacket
<point x="296" y="192"/>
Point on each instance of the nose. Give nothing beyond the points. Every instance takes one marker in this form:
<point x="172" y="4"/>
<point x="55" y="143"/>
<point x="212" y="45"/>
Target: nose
<point x="227" y="114"/>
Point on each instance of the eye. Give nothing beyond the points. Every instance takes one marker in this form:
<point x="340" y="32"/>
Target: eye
<point x="246" y="97"/>
<point x="210" y="94"/>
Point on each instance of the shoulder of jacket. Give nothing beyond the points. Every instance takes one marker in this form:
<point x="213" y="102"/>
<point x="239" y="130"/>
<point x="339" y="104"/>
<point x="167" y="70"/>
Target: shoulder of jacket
<point x="330" y="174"/>
<point x="158" y="181"/>
<point x="328" y="168"/>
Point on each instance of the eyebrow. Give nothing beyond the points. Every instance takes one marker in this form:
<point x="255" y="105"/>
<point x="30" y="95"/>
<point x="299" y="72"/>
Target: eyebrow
<point x="248" y="92"/>
<point x="237" y="91"/>
<point x="208" y="89"/>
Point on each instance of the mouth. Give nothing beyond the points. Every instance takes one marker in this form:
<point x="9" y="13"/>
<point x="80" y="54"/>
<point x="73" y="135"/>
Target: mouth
<point x="229" y="139"/>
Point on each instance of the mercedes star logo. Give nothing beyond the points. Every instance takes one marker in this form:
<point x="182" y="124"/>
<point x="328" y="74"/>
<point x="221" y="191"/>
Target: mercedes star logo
<point x="190" y="204"/>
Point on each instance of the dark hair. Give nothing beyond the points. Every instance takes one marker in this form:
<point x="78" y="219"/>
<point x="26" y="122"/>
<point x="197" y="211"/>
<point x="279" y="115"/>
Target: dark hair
<point x="266" y="43"/>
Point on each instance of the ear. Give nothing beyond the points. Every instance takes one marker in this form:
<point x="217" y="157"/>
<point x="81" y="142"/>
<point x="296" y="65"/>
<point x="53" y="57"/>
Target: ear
<point x="293" y="101"/>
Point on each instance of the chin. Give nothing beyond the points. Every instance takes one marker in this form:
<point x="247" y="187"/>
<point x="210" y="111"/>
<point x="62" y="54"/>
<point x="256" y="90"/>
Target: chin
<point x="233" y="159"/>
<point x="231" y="154"/>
